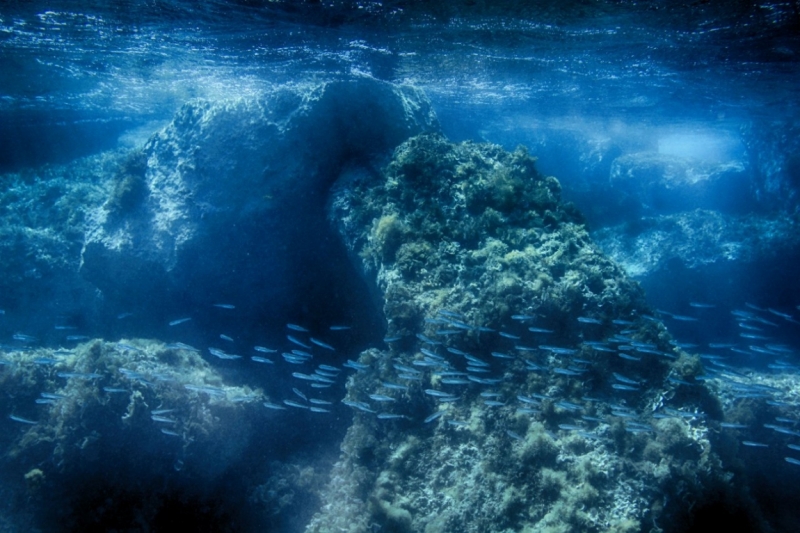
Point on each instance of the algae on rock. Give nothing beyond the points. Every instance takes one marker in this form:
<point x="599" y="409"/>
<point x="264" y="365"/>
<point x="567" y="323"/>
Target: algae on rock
<point x="468" y="246"/>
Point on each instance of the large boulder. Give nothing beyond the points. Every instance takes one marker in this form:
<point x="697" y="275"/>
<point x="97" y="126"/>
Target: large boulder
<point x="524" y="384"/>
<point x="217" y="205"/>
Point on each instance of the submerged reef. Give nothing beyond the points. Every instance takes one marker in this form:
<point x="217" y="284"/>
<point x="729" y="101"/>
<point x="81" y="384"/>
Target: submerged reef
<point x="113" y="433"/>
<point x="502" y="372"/>
<point x="524" y="386"/>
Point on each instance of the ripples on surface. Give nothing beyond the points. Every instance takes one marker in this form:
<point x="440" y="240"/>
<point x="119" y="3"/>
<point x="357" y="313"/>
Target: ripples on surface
<point x="144" y="60"/>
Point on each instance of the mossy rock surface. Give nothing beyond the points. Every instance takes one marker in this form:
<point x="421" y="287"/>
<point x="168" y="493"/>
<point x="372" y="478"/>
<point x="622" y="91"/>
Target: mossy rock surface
<point x="495" y="427"/>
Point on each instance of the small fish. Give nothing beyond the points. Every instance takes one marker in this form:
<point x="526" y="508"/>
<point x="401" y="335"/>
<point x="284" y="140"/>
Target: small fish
<point x="752" y="444"/>
<point x="298" y="342"/>
<point x="701" y="305"/>
<point x="270" y="405"/>
<point x="292" y="403"/>
<point x="122" y="316"/>
<point x="299" y="393"/>
<point x="381" y="398"/>
<point x="455" y="381"/>
<point x="361" y="406"/>
<point x="683" y="318"/>
<point x="317" y="401"/>
<point x="624" y="379"/>
<point x="183" y="346"/>
<point x="23" y="338"/>
<point x="52" y="395"/>
<point x="427" y="340"/>
<point x="437" y="393"/>
<point x="315" y="409"/>
<point x="163" y="419"/>
<point x="225" y="306"/>
<point x="540" y="330"/>
<point x="778" y="313"/>
<point x="589" y="320"/>
<point x="389" y="416"/>
<point x="432" y="417"/>
<point x="557" y="350"/>
<point x="16" y="418"/>
<point x="79" y="375"/>
<point x="792" y="460"/>
<point x="509" y="336"/>
<point x="339" y="328"/>
<point x="295" y="327"/>
<point x="355" y="365"/>
<point x="322" y="344"/>
<point x="475" y="361"/>
<point x="123" y="346"/>
<point x="514" y="435"/>
<point x="257" y="359"/>
<point x="565" y="372"/>
<point x="748" y="327"/>
<point x="179" y="321"/>
<point x="264" y="350"/>
<point x="225" y="337"/>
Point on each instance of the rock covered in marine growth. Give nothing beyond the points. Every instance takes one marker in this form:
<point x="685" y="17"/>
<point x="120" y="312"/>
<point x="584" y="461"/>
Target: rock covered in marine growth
<point x="43" y="214"/>
<point x="137" y="425"/>
<point x="224" y="175"/>
<point x="524" y="386"/>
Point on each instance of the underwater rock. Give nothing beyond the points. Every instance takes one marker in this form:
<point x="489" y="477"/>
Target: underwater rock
<point x="224" y="175"/>
<point x="707" y="255"/>
<point x="774" y="150"/>
<point x="44" y="215"/>
<point x="524" y="385"/>
<point x="653" y="183"/>
<point x="696" y="239"/>
<point x="134" y="425"/>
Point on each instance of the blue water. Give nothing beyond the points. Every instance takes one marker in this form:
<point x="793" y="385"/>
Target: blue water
<point x="584" y="85"/>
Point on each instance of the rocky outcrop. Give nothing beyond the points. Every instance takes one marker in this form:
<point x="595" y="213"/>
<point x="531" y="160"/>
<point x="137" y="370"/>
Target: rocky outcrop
<point x="499" y="402"/>
<point x="214" y="200"/>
